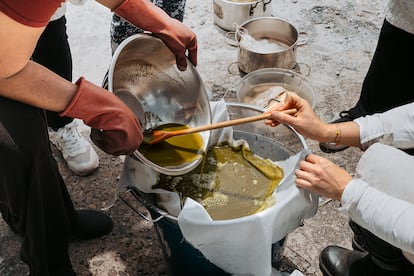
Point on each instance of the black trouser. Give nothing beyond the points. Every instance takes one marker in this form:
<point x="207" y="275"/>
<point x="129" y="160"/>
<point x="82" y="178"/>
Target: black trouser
<point x="384" y="254"/>
<point x="388" y="81"/>
<point x="53" y="52"/>
<point x="33" y="198"/>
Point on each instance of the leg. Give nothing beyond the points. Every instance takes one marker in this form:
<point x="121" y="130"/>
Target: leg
<point x="383" y="254"/>
<point x="387" y="83"/>
<point x="34" y="199"/>
<point x="53" y="52"/>
<point x="372" y="256"/>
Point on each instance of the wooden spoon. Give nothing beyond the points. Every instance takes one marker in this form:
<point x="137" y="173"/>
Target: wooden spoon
<point x="160" y="135"/>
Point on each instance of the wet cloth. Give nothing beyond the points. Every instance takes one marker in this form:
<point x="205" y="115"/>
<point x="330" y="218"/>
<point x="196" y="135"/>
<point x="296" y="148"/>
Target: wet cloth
<point x="238" y="246"/>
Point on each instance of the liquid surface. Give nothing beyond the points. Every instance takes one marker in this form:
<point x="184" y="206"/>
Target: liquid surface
<point x="230" y="183"/>
<point x="173" y="151"/>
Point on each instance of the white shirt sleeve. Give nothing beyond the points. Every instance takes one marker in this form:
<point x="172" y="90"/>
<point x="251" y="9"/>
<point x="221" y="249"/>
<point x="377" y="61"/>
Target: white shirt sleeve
<point x="394" y="127"/>
<point x="387" y="217"/>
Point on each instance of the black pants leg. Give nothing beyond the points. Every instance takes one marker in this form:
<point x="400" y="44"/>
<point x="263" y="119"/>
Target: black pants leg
<point x="388" y="82"/>
<point x="53" y="52"/>
<point x="383" y="254"/>
<point x="33" y="197"/>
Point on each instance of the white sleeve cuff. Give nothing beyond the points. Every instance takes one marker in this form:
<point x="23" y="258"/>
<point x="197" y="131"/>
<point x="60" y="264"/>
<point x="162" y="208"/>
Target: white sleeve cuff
<point x="352" y="194"/>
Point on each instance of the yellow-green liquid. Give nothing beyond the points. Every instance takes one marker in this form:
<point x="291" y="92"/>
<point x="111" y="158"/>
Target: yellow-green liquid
<point x="174" y="151"/>
<point x="229" y="183"/>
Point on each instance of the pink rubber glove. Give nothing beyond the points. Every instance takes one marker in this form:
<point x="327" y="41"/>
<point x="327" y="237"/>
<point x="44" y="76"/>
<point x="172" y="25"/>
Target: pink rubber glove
<point x="177" y="36"/>
<point x="119" y="130"/>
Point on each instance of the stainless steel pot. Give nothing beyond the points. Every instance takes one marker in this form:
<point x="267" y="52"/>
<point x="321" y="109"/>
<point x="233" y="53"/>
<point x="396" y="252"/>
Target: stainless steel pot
<point x="229" y="14"/>
<point x="277" y="31"/>
<point x="144" y="75"/>
<point x="255" y="87"/>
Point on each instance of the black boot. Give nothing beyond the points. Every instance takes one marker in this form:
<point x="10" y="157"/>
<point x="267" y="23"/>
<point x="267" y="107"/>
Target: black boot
<point x="339" y="261"/>
<point x="91" y="224"/>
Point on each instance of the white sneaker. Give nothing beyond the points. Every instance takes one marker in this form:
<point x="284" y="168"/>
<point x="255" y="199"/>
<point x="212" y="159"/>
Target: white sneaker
<point x="76" y="149"/>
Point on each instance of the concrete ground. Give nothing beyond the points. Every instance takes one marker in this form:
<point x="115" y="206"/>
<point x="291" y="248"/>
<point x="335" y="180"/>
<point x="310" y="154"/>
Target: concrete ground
<point x="341" y="40"/>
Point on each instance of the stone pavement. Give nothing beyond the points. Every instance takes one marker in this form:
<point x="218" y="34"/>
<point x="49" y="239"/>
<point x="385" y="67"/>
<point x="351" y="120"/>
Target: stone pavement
<point x="341" y="39"/>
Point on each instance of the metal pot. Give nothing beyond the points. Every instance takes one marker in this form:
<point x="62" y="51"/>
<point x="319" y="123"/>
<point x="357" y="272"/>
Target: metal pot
<point x="144" y="75"/>
<point x="229" y="14"/>
<point x="254" y="87"/>
<point x="277" y="31"/>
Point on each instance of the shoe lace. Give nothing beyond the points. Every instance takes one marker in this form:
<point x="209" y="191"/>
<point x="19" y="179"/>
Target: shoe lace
<point x="70" y="140"/>
<point x="344" y="114"/>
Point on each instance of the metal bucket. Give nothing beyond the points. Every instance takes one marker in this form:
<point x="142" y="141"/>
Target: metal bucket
<point x="254" y="87"/>
<point x="143" y="74"/>
<point x="229" y="14"/>
<point x="267" y="142"/>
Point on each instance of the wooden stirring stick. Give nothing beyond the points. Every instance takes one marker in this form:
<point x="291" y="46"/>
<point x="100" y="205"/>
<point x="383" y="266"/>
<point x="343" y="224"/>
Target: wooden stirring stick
<point x="160" y="135"/>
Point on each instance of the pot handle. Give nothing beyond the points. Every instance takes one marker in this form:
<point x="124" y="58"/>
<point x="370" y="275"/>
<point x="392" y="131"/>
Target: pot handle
<point x="231" y="69"/>
<point x="303" y="38"/>
<point x="308" y="68"/>
<point x="252" y="7"/>
<point x="230" y="95"/>
<point x="121" y="195"/>
<point x="231" y="42"/>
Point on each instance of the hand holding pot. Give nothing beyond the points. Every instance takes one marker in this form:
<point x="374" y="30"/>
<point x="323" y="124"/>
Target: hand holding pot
<point x="119" y="131"/>
<point x="178" y="37"/>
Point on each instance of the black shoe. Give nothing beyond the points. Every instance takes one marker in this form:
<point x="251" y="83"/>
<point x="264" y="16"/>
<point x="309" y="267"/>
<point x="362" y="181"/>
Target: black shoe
<point x="91" y="224"/>
<point x="339" y="261"/>
<point x="336" y="261"/>
<point x="328" y="147"/>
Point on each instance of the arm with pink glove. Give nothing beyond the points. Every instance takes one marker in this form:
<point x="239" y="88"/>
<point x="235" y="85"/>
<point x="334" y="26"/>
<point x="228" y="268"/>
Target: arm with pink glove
<point x="147" y="16"/>
<point x="28" y="82"/>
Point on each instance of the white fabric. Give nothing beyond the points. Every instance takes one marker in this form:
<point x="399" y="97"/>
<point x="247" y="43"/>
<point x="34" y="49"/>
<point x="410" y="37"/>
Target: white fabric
<point x="62" y="10"/>
<point x="381" y="197"/>
<point x="394" y="127"/>
<point x="239" y="246"/>
<point x="243" y="245"/>
<point x="400" y="13"/>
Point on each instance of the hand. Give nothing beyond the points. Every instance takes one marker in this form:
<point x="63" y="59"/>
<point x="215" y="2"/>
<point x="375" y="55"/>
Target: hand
<point x="320" y="175"/>
<point x="180" y="39"/>
<point x="305" y="121"/>
<point x="117" y="129"/>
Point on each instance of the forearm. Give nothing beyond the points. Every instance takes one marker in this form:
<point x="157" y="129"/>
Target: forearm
<point x="387" y="217"/>
<point x="394" y="127"/>
<point x="37" y="86"/>
<point x="145" y="15"/>
<point x="346" y="133"/>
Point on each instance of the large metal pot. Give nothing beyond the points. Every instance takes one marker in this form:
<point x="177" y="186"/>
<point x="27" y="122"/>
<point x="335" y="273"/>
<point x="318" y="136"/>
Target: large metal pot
<point x="228" y="14"/>
<point x="277" y="31"/>
<point x="144" y="75"/>
<point x="258" y="87"/>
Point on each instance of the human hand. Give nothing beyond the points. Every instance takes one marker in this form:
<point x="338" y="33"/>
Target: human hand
<point x="181" y="40"/>
<point x="320" y="175"/>
<point x="116" y="129"/>
<point x="177" y="36"/>
<point x="305" y="121"/>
